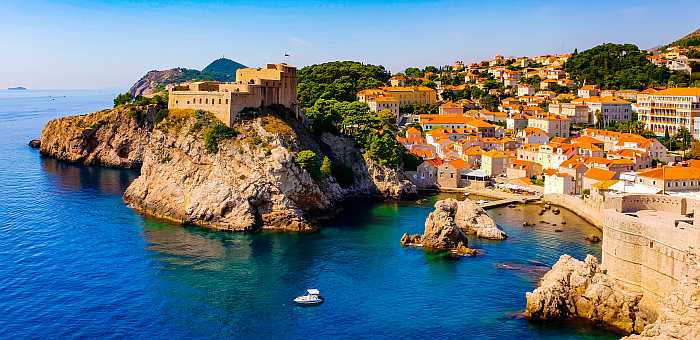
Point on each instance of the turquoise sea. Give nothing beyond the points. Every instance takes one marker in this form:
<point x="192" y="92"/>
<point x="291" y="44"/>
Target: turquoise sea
<point x="75" y="262"/>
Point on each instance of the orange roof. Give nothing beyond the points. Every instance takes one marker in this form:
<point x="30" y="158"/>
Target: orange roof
<point x="412" y="130"/>
<point x="473" y="151"/>
<point x="603" y="100"/>
<point x="495" y="154"/>
<point x="521" y="163"/>
<point x="587" y="139"/>
<point x="435" y="162"/>
<point x="531" y="130"/>
<point x="458" y="164"/>
<point x="599" y="174"/>
<point x="679" y="91"/>
<point x="672" y="173"/>
<point x="588" y="87"/>
<point x="550" y="171"/>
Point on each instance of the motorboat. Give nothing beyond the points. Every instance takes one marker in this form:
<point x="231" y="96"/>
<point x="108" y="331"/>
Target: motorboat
<point x="312" y="297"/>
<point x="466" y="194"/>
<point x="480" y="202"/>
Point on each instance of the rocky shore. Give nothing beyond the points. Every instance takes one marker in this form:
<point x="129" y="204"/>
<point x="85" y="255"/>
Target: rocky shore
<point x="447" y="227"/>
<point x="249" y="183"/>
<point x="581" y="289"/>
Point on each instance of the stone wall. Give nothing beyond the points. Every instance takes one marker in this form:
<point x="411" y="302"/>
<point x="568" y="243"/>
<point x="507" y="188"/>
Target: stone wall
<point x="648" y="251"/>
<point x="631" y="203"/>
<point x="588" y="210"/>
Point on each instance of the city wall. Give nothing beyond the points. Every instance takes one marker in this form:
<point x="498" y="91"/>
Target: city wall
<point x="647" y="243"/>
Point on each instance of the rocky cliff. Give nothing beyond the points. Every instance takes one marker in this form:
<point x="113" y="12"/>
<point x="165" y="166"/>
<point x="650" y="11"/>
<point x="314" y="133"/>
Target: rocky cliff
<point x="581" y="289"/>
<point x="441" y="231"/>
<point x="114" y="137"/>
<point x="155" y="81"/>
<point x="251" y="182"/>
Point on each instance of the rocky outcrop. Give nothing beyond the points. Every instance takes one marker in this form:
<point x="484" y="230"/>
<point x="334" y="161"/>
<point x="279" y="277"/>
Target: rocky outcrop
<point x="370" y="179"/>
<point x="441" y="231"/>
<point x="116" y="137"/>
<point x="581" y="289"/>
<point x="411" y="240"/>
<point x="679" y="313"/>
<point x="251" y="182"/>
<point x="473" y="220"/>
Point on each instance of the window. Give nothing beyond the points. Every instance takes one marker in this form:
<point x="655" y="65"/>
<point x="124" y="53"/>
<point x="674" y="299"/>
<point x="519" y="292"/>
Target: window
<point x="206" y="100"/>
<point x="219" y="100"/>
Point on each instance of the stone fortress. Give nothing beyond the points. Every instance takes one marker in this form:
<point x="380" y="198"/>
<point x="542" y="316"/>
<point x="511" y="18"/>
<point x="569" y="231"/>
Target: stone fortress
<point x="649" y="241"/>
<point x="253" y="88"/>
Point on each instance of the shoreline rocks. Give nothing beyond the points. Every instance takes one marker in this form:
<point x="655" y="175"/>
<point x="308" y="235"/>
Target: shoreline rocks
<point x="441" y="231"/>
<point x="114" y="137"/>
<point x="473" y="220"/>
<point x="581" y="289"/>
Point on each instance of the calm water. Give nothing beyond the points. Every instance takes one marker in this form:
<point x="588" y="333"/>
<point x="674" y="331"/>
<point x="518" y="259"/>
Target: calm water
<point x="76" y="262"/>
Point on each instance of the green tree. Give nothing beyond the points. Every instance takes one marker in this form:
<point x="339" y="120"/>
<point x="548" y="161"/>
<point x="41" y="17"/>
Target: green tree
<point x="123" y="99"/>
<point x="307" y="160"/>
<point x="326" y="168"/>
<point x="337" y="80"/>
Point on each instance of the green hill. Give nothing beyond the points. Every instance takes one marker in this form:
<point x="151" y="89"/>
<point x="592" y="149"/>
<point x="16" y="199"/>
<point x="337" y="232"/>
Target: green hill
<point x="223" y="69"/>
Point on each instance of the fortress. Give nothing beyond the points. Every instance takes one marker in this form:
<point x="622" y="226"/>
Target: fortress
<point x="254" y="87"/>
<point x="648" y="241"/>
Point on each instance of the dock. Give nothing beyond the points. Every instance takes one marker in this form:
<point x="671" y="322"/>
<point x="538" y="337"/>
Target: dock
<point x="507" y="201"/>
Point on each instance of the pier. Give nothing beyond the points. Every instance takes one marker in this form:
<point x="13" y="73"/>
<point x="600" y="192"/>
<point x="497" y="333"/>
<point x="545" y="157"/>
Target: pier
<point x="507" y="201"/>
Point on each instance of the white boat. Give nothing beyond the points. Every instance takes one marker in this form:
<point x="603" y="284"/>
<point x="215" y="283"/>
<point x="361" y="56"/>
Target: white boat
<point x="466" y="194"/>
<point x="312" y="297"/>
<point x="482" y="202"/>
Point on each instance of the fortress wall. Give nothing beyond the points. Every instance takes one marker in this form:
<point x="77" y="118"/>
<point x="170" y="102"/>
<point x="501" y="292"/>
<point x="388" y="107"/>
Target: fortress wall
<point x="645" y="254"/>
<point x="632" y="203"/>
<point x="580" y="207"/>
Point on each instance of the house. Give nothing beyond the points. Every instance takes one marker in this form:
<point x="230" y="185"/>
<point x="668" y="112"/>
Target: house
<point x="494" y="162"/>
<point x="577" y="113"/>
<point x="610" y="109"/>
<point x="398" y="80"/>
<point x="516" y="122"/>
<point x="595" y="175"/>
<point x="525" y="90"/>
<point x="518" y="168"/>
<point x="450" y="108"/>
<point x="554" y="125"/>
<point x="671" y="178"/>
<point x="588" y="91"/>
<point x="558" y="183"/>
<point x="425" y="176"/>
<point x="450" y="174"/>
<point x="532" y="135"/>
<point x="575" y="167"/>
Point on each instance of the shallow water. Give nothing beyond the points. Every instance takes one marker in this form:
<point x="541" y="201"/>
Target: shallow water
<point x="78" y="263"/>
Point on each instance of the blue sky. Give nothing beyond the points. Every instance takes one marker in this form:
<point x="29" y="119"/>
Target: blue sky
<point x="110" y="44"/>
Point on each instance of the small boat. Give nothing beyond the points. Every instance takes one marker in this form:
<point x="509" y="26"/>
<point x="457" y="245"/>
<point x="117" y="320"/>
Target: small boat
<point x="312" y="297"/>
<point x="482" y="202"/>
<point x="466" y="194"/>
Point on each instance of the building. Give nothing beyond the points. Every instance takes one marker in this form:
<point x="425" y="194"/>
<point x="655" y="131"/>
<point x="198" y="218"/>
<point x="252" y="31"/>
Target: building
<point x="558" y="183"/>
<point x="254" y="88"/>
<point x="518" y="168"/>
<point x="595" y="175"/>
<point x="610" y="109"/>
<point x="398" y="80"/>
<point x="670" y="109"/>
<point x="516" y="122"/>
<point x="379" y="103"/>
<point x="588" y="91"/>
<point x="532" y="135"/>
<point x="525" y="90"/>
<point x="554" y="125"/>
<point x="450" y="108"/>
<point x="671" y="178"/>
<point x="577" y="113"/>
<point x="405" y="95"/>
<point x="494" y="162"/>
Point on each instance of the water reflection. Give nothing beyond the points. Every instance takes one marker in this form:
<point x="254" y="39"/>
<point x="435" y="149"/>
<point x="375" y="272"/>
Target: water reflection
<point x="75" y="178"/>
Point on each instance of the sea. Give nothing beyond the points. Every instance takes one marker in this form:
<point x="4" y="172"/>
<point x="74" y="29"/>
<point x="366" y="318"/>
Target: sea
<point x="76" y="262"/>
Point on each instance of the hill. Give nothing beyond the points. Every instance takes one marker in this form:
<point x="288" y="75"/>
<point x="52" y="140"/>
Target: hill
<point x="223" y="68"/>
<point x="616" y="66"/>
<point x="155" y="81"/>
<point x="691" y="39"/>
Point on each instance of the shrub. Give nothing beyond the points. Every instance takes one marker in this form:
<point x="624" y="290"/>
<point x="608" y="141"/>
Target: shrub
<point x="160" y="115"/>
<point x="326" y="168"/>
<point x="307" y="160"/>
<point x="214" y="134"/>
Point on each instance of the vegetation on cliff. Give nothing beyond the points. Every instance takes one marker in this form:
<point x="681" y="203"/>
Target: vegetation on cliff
<point x="339" y="80"/>
<point x="616" y="66"/>
<point x="155" y="81"/>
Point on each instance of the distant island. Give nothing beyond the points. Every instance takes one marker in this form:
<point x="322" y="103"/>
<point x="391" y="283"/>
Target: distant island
<point x="18" y="88"/>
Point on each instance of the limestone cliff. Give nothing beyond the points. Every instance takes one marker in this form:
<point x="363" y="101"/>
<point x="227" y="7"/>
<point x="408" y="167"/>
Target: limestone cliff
<point x="581" y="289"/>
<point x="251" y="181"/>
<point x="114" y="137"/>
<point x="155" y="81"/>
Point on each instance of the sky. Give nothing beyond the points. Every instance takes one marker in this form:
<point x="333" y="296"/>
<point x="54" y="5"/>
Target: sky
<point x="111" y="44"/>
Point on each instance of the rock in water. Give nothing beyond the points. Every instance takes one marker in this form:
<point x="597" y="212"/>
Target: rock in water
<point x="115" y="137"/>
<point x="35" y="143"/>
<point x="580" y="289"/>
<point x="472" y="219"/>
<point x="441" y="231"/>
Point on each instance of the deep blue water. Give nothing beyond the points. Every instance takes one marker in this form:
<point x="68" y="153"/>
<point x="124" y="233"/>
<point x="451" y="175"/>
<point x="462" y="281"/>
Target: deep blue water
<point x="76" y="262"/>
